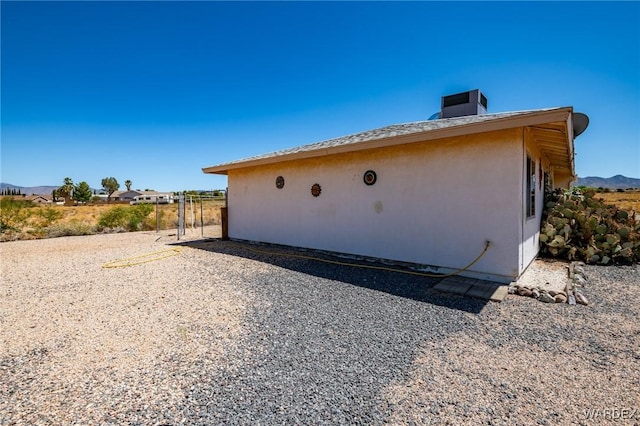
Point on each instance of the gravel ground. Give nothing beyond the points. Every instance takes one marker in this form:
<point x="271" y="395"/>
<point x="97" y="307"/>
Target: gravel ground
<point x="223" y="334"/>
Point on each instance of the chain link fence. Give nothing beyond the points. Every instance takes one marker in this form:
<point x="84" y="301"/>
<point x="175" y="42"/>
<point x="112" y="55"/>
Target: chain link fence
<point x="199" y="216"/>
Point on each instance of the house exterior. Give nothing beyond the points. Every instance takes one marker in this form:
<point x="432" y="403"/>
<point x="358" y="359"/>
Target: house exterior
<point x="39" y="199"/>
<point x="430" y="193"/>
<point x="153" y="198"/>
<point x="130" y="195"/>
<point x="34" y="198"/>
<point x="127" y="195"/>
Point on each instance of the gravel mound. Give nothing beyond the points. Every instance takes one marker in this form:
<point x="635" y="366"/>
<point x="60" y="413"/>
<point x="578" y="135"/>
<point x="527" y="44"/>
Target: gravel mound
<point x="224" y="334"/>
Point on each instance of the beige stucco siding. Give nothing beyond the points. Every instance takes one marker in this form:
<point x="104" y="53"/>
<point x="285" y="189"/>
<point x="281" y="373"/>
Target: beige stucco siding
<point x="434" y="203"/>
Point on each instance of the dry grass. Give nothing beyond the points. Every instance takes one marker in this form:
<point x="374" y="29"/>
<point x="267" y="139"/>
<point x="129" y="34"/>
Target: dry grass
<point x="628" y="200"/>
<point x="168" y="213"/>
<point x="81" y="220"/>
<point x="87" y="214"/>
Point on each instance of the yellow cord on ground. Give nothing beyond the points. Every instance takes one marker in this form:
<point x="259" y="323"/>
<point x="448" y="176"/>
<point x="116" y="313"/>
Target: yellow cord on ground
<point x="144" y="258"/>
<point x="381" y="268"/>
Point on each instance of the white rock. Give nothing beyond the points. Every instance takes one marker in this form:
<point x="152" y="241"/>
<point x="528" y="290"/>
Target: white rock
<point x="560" y="298"/>
<point x="581" y="299"/>
<point x="546" y="298"/>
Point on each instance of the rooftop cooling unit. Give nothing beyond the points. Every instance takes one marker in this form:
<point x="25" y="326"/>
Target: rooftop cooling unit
<point x="472" y="102"/>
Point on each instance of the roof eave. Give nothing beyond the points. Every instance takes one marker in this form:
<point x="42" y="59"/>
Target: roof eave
<point x="528" y="119"/>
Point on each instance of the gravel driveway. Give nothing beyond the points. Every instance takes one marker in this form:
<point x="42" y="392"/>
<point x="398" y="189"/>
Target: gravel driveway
<point x="222" y="334"/>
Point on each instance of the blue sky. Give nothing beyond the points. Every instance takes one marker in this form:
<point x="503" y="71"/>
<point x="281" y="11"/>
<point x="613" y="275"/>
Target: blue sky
<point x="154" y="91"/>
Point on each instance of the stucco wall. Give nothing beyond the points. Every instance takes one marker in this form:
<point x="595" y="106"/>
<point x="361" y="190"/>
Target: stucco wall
<point x="434" y="203"/>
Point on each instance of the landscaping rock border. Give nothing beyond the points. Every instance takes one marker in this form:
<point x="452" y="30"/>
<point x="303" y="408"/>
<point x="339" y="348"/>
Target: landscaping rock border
<point x="571" y="295"/>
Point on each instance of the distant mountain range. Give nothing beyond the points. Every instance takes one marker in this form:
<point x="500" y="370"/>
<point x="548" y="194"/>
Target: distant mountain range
<point x="30" y="190"/>
<point x="614" y="182"/>
<point x="42" y="190"/>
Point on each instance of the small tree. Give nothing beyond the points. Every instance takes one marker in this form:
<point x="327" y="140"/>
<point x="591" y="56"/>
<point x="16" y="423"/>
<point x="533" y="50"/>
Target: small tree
<point x="127" y="183"/>
<point x="110" y="185"/>
<point x="82" y="192"/>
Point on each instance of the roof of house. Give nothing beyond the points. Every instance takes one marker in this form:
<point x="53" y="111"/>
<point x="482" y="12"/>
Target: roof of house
<point x="36" y="196"/>
<point x="550" y="128"/>
<point x="117" y="194"/>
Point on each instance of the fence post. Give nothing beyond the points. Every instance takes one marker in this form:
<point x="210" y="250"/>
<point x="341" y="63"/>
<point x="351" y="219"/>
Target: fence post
<point x="181" y="206"/>
<point x="225" y="223"/>
<point x="193" y="220"/>
<point x="224" y="215"/>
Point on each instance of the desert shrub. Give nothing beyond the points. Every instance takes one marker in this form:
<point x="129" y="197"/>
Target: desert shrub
<point x="577" y="226"/>
<point x="69" y="229"/>
<point x="113" y="218"/>
<point x="128" y="218"/>
<point x="137" y="216"/>
<point x="13" y="215"/>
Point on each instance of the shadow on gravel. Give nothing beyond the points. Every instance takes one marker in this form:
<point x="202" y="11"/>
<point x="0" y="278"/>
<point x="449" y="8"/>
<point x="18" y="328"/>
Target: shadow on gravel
<point x="414" y="287"/>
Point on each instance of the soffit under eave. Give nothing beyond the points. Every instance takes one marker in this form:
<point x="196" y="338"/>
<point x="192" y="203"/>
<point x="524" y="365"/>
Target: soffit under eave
<point x="554" y="141"/>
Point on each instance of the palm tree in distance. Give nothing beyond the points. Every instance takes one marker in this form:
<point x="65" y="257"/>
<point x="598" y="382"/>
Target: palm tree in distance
<point x="127" y="183"/>
<point x="66" y="190"/>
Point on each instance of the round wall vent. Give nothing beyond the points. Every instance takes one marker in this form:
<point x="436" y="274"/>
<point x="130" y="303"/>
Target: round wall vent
<point x="370" y="177"/>
<point x="279" y="182"/>
<point x="316" y="189"/>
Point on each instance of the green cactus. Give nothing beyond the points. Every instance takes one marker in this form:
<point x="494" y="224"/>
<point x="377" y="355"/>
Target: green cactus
<point x="624" y="232"/>
<point x="558" y="242"/>
<point x="622" y="215"/>
<point x="626" y="253"/>
<point x="578" y="226"/>
<point x="567" y="213"/>
<point x="612" y="239"/>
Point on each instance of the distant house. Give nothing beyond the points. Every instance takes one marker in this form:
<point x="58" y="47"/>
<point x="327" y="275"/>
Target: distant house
<point x="153" y="198"/>
<point x="126" y="195"/>
<point x="429" y="192"/>
<point x="121" y="195"/>
<point x="35" y="198"/>
<point x="137" y="196"/>
<point x="39" y="199"/>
